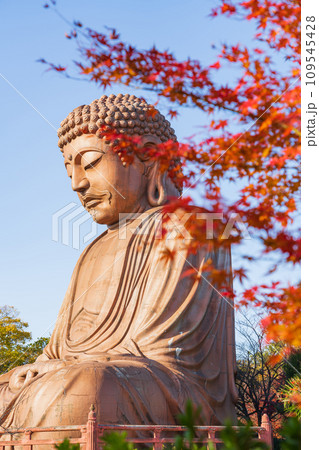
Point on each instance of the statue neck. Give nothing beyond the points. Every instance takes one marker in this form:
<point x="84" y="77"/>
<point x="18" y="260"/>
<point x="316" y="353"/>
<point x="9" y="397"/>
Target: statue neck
<point x="142" y="208"/>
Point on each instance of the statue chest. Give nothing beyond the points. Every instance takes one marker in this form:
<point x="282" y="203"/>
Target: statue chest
<point x="96" y="283"/>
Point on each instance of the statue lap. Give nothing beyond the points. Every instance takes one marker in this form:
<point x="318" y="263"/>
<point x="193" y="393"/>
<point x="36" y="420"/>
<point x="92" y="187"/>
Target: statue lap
<point x="119" y="391"/>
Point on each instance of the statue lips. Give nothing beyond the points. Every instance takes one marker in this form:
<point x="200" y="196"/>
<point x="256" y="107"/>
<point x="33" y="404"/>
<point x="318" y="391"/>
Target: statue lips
<point x="91" y="200"/>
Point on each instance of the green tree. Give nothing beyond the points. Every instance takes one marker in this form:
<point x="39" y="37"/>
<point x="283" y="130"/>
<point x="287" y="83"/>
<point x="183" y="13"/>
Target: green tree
<point x="291" y="434"/>
<point x="16" y="347"/>
<point x="241" y="439"/>
<point x="290" y="394"/>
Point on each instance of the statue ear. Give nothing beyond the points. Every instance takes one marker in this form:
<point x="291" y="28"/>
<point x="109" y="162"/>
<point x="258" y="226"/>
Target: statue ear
<point x="156" y="192"/>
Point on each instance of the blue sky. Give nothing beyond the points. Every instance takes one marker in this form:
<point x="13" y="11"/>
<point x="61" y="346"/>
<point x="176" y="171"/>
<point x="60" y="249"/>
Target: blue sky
<point x="35" y="270"/>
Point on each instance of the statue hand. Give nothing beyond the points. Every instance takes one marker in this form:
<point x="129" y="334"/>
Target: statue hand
<point x="24" y="375"/>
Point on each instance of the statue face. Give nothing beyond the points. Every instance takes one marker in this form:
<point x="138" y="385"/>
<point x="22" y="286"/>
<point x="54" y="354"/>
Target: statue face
<point x="105" y="187"/>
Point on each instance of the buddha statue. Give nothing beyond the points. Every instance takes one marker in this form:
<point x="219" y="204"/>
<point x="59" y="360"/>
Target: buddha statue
<point x="134" y="336"/>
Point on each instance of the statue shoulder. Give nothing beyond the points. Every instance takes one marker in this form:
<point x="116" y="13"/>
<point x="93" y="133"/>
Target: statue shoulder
<point x="196" y="223"/>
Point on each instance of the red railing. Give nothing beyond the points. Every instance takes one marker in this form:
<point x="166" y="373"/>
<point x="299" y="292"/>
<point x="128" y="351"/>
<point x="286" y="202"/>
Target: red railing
<point x="91" y="433"/>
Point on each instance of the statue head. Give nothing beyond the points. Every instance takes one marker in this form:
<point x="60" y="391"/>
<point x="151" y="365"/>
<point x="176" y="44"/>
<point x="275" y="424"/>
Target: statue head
<point x="106" y="185"/>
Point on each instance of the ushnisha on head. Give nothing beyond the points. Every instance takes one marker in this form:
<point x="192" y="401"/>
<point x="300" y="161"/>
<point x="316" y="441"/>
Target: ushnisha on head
<point x="106" y="186"/>
<point x="126" y="113"/>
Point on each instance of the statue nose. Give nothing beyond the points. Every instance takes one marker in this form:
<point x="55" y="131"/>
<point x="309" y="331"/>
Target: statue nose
<point x="79" y="181"/>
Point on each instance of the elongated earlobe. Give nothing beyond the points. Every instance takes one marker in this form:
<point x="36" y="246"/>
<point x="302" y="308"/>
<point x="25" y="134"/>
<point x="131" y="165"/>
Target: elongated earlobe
<point x="156" y="194"/>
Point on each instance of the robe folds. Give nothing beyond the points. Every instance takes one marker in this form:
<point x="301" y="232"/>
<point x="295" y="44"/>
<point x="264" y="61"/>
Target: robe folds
<point x="156" y="339"/>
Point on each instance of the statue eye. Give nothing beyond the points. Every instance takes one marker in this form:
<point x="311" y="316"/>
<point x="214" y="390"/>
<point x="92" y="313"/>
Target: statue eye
<point x="93" y="163"/>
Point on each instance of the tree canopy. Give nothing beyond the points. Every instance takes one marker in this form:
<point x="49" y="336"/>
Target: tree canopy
<point x="16" y="346"/>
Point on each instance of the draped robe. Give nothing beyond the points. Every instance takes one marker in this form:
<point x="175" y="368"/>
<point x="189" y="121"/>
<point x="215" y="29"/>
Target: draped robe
<point x="137" y="341"/>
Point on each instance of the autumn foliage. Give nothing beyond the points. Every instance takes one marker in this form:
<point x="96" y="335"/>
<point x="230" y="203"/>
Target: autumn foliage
<point x="252" y="134"/>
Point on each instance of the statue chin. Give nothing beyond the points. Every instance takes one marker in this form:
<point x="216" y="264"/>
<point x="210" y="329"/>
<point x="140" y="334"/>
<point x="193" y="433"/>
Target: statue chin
<point x="100" y="217"/>
<point x="104" y="214"/>
<point x="107" y="217"/>
<point x="111" y="214"/>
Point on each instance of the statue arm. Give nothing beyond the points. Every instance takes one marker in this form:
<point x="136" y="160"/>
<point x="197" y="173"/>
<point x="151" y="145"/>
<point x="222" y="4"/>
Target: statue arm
<point x="20" y="377"/>
<point x="12" y="382"/>
<point x="43" y="357"/>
